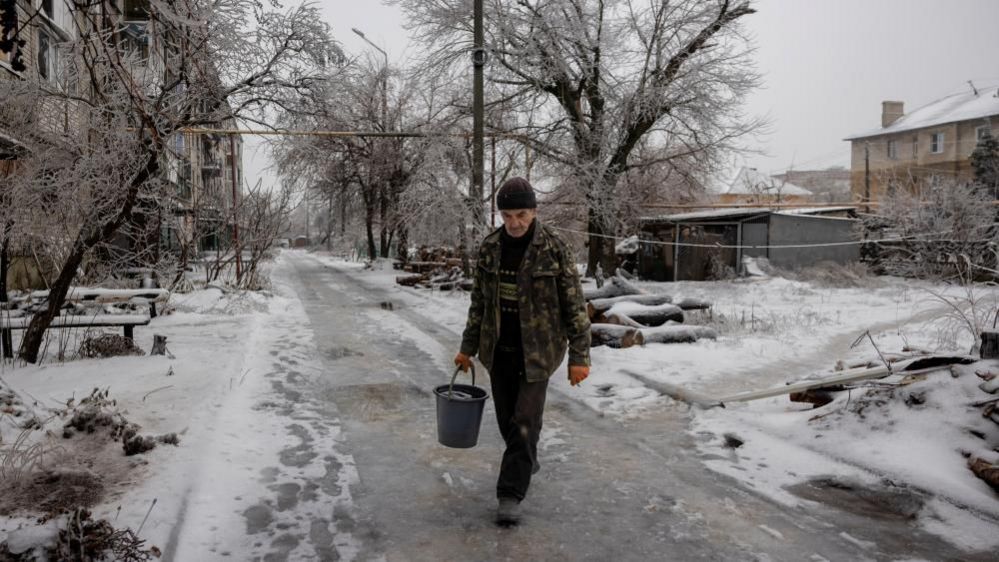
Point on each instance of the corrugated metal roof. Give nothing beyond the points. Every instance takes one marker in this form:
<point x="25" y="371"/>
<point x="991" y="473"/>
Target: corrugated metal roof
<point x="961" y="106"/>
<point x="740" y="214"/>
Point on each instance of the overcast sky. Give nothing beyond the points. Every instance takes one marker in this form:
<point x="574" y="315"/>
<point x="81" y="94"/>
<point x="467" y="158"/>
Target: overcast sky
<point x="827" y="65"/>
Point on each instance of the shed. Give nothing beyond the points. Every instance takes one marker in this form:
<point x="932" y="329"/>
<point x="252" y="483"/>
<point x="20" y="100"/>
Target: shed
<point x="700" y="245"/>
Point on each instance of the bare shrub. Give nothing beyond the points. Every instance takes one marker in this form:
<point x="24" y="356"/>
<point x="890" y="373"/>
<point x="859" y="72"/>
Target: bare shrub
<point x="108" y="345"/>
<point x="85" y="539"/>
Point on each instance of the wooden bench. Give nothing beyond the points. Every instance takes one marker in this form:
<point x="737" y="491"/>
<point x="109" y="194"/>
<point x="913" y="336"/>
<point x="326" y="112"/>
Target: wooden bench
<point x="110" y="296"/>
<point x="18" y="319"/>
<point x="10" y="323"/>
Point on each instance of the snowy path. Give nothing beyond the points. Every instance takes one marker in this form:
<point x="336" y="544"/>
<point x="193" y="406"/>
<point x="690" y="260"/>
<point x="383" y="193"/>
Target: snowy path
<point x="609" y="488"/>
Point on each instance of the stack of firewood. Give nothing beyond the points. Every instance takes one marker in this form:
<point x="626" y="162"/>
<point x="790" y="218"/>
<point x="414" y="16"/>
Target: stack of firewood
<point x="622" y="315"/>
<point x="434" y="268"/>
<point x="988" y="468"/>
<point x="442" y="279"/>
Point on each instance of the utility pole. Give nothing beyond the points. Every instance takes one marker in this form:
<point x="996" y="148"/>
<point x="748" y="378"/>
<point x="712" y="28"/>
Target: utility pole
<point x="478" y="61"/>
<point x="867" y="175"/>
<point x="235" y="212"/>
<point x="385" y="124"/>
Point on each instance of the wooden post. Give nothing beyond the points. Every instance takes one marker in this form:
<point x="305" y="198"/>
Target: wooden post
<point x="990" y="345"/>
<point x="159" y="345"/>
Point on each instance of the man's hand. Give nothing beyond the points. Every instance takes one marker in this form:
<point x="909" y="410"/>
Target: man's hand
<point x="577" y="373"/>
<point x="463" y="362"/>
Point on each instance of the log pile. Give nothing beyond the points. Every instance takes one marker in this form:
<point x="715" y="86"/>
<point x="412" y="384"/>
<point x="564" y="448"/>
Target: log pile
<point x="442" y="279"/>
<point x="622" y="315"/>
<point x="988" y="469"/>
<point x="434" y="268"/>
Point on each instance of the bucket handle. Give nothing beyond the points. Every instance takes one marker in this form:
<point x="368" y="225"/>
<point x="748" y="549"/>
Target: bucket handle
<point x="455" y="376"/>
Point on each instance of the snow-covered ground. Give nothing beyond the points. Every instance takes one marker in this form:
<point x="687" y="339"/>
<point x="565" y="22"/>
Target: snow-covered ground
<point x="229" y="389"/>
<point x="775" y="330"/>
<point x="217" y="392"/>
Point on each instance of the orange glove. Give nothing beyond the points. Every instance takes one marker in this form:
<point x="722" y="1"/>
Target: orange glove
<point x="463" y="362"/>
<point x="578" y="373"/>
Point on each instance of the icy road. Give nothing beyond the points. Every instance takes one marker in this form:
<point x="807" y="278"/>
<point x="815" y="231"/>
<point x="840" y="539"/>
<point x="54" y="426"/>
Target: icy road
<point x="360" y="475"/>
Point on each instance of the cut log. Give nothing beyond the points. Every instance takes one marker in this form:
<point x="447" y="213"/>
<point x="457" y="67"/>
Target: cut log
<point x="678" y="333"/>
<point x="159" y="345"/>
<point x="615" y="287"/>
<point x="615" y="336"/>
<point x="647" y="316"/>
<point x="618" y="320"/>
<point x="411" y="280"/>
<point x="990" y="345"/>
<point x="691" y="303"/>
<point x="817" y="396"/>
<point x="598" y="306"/>
<point x="986" y="471"/>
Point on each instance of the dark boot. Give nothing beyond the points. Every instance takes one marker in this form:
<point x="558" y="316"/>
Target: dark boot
<point x="508" y="512"/>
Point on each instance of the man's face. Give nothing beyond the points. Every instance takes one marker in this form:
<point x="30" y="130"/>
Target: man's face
<point x="518" y="221"/>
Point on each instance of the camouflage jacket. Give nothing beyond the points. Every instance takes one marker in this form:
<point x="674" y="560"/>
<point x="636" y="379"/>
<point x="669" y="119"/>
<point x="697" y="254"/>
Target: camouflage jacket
<point x="552" y="311"/>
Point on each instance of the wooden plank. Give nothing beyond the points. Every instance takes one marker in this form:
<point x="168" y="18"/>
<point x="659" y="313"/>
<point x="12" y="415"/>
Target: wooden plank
<point x="99" y="320"/>
<point x="82" y="294"/>
<point x="914" y="366"/>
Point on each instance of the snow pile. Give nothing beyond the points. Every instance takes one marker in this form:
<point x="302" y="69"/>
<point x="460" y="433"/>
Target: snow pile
<point x="627" y="246"/>
<point x="916" y="433"/>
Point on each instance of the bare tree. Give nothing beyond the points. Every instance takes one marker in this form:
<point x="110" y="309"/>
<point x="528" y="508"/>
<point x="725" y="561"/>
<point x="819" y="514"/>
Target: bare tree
<point x="595" y="79"/>
<point x="940" y="229"/>
<point x="122" y="107"/>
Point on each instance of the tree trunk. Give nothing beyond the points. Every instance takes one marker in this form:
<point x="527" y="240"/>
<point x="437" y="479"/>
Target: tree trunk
<point x="658" y="315"/>
<point x="990" y="345"/>
<point x="8" y="342"/>
<point x="402" y="250"/>
<point x="35" y="333"/>
<point x="329" y="225"/>
<point x="369" y="226"/>
<point x="597" y="306"/>
<point x="615" y="336"/>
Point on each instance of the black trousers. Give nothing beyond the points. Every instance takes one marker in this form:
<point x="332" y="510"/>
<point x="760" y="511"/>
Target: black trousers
<point x="519" y="409"/>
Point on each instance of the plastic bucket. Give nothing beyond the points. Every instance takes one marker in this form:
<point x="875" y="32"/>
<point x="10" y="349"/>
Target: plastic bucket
<point x="459" y="412"/>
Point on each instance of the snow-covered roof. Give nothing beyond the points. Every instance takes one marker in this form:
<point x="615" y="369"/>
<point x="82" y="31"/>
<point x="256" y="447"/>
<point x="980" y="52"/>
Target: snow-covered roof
<point x="749" y="181"/>
<point x="817" y="210"/>
<point x="712" y="214"/>
<point x="743" y="213"/>
<point x="960" y="106"/>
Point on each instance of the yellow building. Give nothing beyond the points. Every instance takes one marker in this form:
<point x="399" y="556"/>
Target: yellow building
<point x="936" y="139"/>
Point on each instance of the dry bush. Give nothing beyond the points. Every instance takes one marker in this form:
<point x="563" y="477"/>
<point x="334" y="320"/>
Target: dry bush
<point x="835" y="275"/>
<point x="107" y="345"/>
<point x="84" y="540"/>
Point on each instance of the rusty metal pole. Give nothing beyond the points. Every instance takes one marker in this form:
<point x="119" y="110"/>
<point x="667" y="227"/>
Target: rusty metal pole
<point x="478" y="117"/>
<point x="235" y="214"/>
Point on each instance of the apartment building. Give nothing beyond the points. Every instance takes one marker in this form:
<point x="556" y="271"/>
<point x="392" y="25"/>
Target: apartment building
<point x="936" y="139"/>
<point x="204" y="170"/>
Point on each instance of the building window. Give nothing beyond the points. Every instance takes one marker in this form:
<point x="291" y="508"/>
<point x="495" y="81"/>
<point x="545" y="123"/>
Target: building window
<point x="892" y="150"/>
<point x="48" y="56"/>
<point x="135" y="40"/>
<point x="915" y="147"/>
<point x="936" y="143"/>
<point x="136" y="10"/>
<point x="982" y="132"/>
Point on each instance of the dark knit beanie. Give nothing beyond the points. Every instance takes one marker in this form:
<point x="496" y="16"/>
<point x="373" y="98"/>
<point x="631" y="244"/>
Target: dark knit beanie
<point x="516" y="193"/>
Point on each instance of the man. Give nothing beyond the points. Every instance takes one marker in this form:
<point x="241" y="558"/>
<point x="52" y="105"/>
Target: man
<point x="527" y="304"/>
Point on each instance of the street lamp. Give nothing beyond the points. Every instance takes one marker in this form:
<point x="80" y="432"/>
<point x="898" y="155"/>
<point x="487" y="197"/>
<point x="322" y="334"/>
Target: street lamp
<point x="384" y="76"/>
<point x="385" y="123"/>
